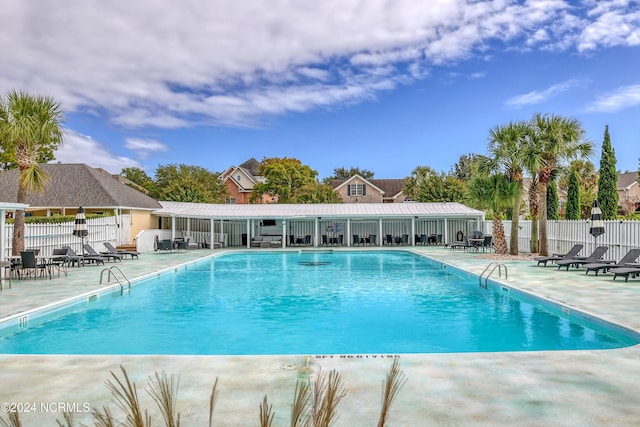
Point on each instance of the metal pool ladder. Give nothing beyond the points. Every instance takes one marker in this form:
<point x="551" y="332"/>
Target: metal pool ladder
<point x="113" y="270"/>
<point x="493" y="267"/>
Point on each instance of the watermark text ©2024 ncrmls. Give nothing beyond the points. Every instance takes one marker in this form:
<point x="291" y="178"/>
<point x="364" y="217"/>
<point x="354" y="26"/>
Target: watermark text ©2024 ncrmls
<point x="53" y="407"/>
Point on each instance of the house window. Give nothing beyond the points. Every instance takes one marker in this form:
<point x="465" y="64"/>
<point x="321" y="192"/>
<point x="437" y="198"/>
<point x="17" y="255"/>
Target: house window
<point x="239" y="177"/>
<point x="356" y="190"/>
<point x="231" y="201"/>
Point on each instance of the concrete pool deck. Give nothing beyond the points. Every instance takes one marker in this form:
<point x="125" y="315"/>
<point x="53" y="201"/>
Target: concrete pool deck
<point x="561" y="388"/>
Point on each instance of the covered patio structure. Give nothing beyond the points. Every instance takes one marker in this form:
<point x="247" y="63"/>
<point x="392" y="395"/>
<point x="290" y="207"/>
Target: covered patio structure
<point x="374" y="224"/>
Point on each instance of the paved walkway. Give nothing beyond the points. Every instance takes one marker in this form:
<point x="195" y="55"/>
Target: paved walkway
<point x="560" y="388"/>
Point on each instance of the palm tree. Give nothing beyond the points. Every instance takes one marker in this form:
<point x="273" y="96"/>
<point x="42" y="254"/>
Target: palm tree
<point x="497" y="193"/>
<point x="555" y="140"/>
<point x="29" y="126"/>
<point x="534" y="208"/>
<point x="508" y="154"/>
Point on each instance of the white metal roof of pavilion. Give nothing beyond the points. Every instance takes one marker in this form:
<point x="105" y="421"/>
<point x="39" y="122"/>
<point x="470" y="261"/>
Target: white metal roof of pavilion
<point x="339" y="210"/>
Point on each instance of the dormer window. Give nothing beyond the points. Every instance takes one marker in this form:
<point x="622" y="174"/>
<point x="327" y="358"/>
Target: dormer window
<point x="356" y="190"/>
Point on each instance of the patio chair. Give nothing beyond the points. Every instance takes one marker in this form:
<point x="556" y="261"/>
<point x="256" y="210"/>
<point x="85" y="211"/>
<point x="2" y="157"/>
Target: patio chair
<point x="59" y="260"/>
<point x="596" y="256"/>
<point x="573" y="253"/>
<point x="423" y="239"/>
<point x="389" y="239"/>
<point x="487" y="243"/>
<point x="92" y="252"/>
<point x="30" y="265"/>
<point x="5" y="265"/>
<point x="112" y="250"/>
<point x="325" y="240"/>
<point x="372" y="239"/>
<point x="629" y="257"/>
<point x="183" y="245"/>
<point x="357" y="240"/>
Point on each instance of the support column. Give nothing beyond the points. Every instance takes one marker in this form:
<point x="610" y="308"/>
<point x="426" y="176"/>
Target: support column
<point x="381" y="237"/>
<point x="212" y="234"/>
<point x="316" y="228"/>
<point x="284" y="233"/>
<point x="173" y="228"/>
<point x="413" y="231"/>
<point x="445" y="233"/>
<point x="249" y="236"/>
<point x="349" y="236"/>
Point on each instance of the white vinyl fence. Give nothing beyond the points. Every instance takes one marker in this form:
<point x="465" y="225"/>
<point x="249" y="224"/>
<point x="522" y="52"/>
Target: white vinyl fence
<point x="619" y="236"/>
<point x="46" y="237"/>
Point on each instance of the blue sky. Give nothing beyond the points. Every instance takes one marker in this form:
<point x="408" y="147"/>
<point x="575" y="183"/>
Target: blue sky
<point x="380" y="85"/>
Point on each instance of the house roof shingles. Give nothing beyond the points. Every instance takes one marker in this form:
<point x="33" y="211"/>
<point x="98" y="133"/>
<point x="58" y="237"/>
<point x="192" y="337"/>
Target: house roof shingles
<point x="72" y="185"/>
<point x="626" y="180"/>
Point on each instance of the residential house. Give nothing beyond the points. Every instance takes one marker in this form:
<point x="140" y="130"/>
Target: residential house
<point x="629" y="192"/>
<point x="241" y="180"/>
<point x="73" y="185"/>
<point x="360" y="190"/>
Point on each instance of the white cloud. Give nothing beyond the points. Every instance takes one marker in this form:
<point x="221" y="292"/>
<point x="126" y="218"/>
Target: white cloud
<point x="314" y="73"/>
<point x="540" y="96"/>
<point x="614" y="23"/>
<point x="623" y="97"/>
<point x="144" y="147"/>
<point x="167" y="65"/>
<point x="78" y="148"/>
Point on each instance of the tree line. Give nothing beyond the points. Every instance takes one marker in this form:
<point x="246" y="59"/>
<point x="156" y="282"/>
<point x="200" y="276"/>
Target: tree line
<point x="550" y="150"/>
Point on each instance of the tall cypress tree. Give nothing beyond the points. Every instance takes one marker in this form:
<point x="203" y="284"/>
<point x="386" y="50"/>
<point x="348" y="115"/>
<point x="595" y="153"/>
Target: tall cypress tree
<point x="608" y="180"/>
<point x="573" y="197"/>
<point x="552" y="200"/>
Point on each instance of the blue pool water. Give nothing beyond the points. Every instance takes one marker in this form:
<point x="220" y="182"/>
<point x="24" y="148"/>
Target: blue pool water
<point x="310" y="303"/>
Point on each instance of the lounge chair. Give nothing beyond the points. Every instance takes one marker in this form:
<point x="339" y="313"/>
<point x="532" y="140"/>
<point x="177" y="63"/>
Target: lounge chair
<point x="459" y="244"/>
<point x="596" y="256"/>
<point x="74" y="258"/>
<point x="92" y="253"/>
<point x="625" y="271"/>
<point x="629" y="257"/>
<point x="573" y="253"/>
<point x="112" y="250"/>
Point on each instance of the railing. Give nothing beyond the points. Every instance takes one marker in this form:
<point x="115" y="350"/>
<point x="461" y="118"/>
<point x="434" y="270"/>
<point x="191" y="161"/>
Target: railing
<point x="495" y="265"/>
<point x="113" y="270"/>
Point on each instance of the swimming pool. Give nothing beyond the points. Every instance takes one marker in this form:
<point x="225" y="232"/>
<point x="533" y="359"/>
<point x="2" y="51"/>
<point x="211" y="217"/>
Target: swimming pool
<point x="312" y="303"/>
